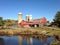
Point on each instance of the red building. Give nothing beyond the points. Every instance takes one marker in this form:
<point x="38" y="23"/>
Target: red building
<point x="34" y="23"/>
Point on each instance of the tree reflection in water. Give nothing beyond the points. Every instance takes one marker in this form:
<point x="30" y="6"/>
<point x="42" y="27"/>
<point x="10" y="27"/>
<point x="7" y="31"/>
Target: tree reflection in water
<point x="1" y="41"/>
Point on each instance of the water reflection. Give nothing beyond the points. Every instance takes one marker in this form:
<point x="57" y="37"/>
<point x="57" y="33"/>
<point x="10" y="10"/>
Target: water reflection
<point x="25" y="40"/>
<point x="1" y="41"/>
<point x="20" y="40"/>
<point x="28" y="40"/>
<point x="6" y="40"/>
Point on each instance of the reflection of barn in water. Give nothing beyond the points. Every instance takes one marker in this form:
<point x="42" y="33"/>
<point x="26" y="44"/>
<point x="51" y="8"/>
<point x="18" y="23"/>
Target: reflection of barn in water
<point x="1" y="41"/>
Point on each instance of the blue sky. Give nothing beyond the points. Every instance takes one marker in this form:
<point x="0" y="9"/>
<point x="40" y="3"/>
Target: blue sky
<point x="9" y="9"/>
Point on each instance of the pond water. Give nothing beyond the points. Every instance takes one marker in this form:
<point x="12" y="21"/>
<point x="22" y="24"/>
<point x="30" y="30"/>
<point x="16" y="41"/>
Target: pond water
<point x="24" y="40"/>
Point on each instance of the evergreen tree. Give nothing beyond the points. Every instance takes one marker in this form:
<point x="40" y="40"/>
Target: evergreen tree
<point x="1" y="21"/>
<point x="57" y="19"/>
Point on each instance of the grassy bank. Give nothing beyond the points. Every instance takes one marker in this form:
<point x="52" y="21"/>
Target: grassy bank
<point x="48" y="30"/>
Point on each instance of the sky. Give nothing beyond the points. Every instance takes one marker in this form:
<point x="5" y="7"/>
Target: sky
<point x="9" y="9"/>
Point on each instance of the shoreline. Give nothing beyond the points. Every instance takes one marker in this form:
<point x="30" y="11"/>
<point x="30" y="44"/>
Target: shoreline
<point x="34" y="32"/>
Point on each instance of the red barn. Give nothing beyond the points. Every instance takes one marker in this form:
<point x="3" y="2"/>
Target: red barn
<point x="34" y="23"/>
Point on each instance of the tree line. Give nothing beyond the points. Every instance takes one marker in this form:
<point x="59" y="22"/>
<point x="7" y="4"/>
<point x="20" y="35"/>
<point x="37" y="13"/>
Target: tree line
<point x="7" y="22"/>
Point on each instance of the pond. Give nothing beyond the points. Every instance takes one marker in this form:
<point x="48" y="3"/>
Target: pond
<point x="24" y="40"/>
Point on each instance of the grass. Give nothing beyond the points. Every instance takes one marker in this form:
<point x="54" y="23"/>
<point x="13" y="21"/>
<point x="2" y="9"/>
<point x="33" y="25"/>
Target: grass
<point x="51" y="30"/>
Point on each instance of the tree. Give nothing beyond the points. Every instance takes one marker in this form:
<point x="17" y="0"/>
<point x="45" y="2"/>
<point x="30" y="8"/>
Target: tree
<point x="57" y="19"/>
<point x="1" y="21"/>
<point x="9" y="22"/>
